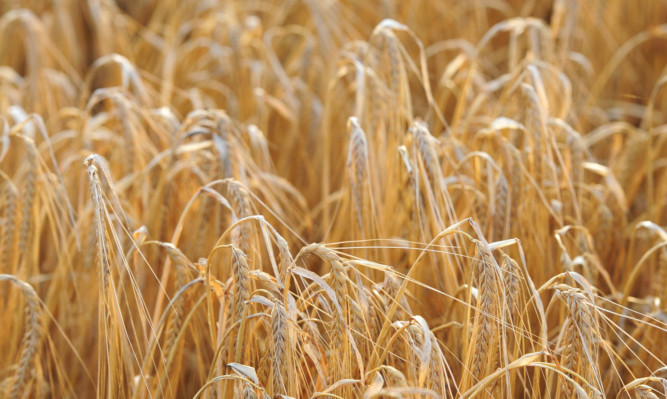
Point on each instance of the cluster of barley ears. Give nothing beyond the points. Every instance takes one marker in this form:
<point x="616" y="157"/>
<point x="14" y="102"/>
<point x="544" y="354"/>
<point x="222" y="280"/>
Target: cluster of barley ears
<point x="323" y="199"/>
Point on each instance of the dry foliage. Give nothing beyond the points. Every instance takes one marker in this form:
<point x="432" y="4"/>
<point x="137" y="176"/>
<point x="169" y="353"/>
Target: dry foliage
<point x="310" y="199"/>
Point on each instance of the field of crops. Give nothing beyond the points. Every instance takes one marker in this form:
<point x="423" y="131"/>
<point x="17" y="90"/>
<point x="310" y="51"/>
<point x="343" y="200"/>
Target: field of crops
<point x="333" y="199"/>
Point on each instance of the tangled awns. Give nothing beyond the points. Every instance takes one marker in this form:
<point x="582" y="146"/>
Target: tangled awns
<point x="333" y="199"/>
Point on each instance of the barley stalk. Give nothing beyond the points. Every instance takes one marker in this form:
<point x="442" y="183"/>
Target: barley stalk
<point x="485" y="332"/>
<point x="8" y="239"/>
<point x="28" y="200"/>
<point x="279" y="356"/>
<point x="579" y="340"/>
<point x="25" y="371"/>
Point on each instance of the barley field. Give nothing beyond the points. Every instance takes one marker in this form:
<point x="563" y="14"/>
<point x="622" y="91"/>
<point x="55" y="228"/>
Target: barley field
<point x="333" y="199"/>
